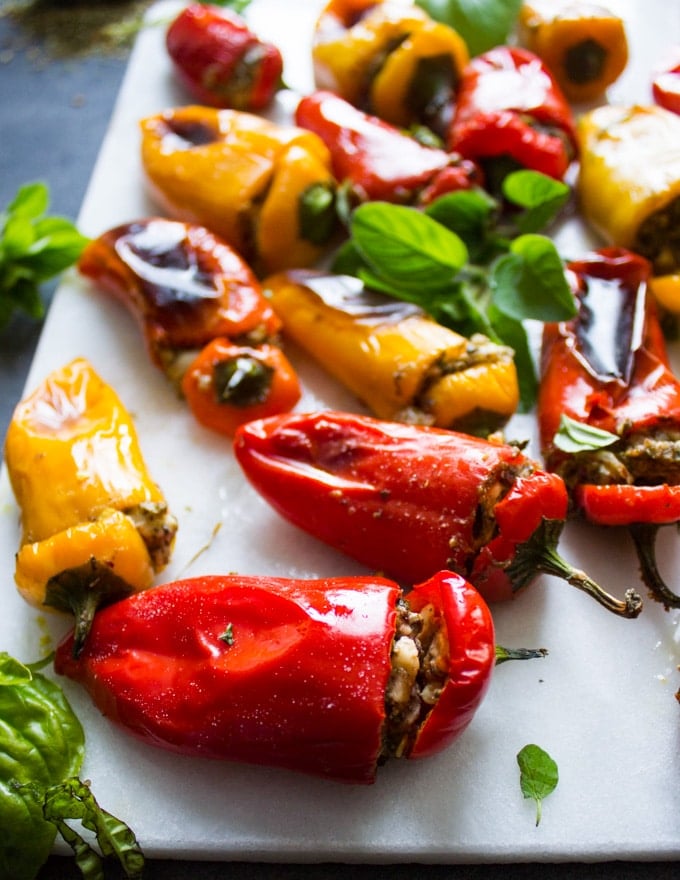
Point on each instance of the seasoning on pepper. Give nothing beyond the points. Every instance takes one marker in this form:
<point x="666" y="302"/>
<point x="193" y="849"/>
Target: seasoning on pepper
<point x="389" y="59"/>
<point x="510" y="113"/>
<point x="410" y="500"/>
<point x="267" y="189"/>
<point x="401" y="364"/>
<point x="329" y="677"/>
<point x="204" y="317"/>
<point x="228" y="384"/>
<point x="629" y="183"/>
<point x="220" y="61"/>
<point x="379" y="161"/>
<point x="608" y="370"/>
<point x="584" y="45"/>
<point x="95" y="526"/>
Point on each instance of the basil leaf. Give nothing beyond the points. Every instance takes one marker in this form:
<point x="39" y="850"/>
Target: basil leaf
<point x="406" y="246"/>
<point x="31" y="201"/>
<point x="472" y="215"/>
<point x="538" y="775"/>
<point x="41" y="743"/>
<point x="514" y="334"/>
<point x="483" y="24"/>
<point x="542" y="198"/>
<point x="530" y="283"/>
<point x="573" y="436"/>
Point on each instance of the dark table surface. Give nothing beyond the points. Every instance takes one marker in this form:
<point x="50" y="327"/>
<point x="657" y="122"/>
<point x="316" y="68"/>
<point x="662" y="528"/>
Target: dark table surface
<point x="53" y="116"/>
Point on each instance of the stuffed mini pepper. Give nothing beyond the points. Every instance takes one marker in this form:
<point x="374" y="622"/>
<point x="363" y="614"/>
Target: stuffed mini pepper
<point x="399" y="363"/>
<point x="609" y="406"/>
<point x="95" y="526"/>
<point x="266" y="189"/>
<point x="328" y="677"/>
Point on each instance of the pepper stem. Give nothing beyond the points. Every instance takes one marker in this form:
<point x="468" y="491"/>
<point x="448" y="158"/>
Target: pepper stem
<point x="82" y="591"/>
<point x="539" y="554"/>
<point x="644" y="538"/>
<point x="505" y="654"/>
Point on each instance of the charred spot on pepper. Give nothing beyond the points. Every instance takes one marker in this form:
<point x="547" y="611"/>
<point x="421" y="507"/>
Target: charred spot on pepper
<point x="418" y="674"/>
<point x="585" y="61"/>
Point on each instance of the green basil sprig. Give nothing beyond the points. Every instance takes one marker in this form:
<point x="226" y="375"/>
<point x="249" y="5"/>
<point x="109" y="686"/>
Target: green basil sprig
<point x="573" y="436"/>
<point x="34" y="247"/>
<point x="42" y="746"/>
<point x="474" y="263"/>
<point x="539" y="775"/>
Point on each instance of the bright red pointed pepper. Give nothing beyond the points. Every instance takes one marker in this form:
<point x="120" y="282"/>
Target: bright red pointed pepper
<point x="329" y="677"/>
<point x="220" y="61"/>
<point x="410" y="500"/>
<point x="608" y="369"/>
<point x="378" y="160"/>
<point x="666" y="85"/>
<point x="510" y="113"/>
<point x="205" y="319"/>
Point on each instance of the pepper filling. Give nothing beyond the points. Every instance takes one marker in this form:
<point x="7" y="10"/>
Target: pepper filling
<point x="658" y="238"/>
<point x="419" y="672"/>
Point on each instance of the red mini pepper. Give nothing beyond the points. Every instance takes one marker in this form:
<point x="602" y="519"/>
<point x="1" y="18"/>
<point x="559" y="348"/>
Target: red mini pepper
<point x="607" y="370"/>
<point x="510" y="112"/>
<point x="220" y="61"/>
<point x="666" y="83"/>
<point x="378" y="160"/>
<point x="205" y="319"/>
<point x="329" y="677"/>
<point x="410" y="500"/>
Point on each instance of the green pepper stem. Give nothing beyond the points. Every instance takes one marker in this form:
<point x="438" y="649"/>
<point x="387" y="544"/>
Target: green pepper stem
<point x="505" y="654"/>
<point x="644" y="538"/>
<point x="539" y="554"/>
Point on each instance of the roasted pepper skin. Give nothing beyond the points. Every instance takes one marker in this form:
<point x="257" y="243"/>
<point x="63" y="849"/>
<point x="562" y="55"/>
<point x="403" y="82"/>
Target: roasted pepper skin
<point x="608" y="369"/>
<point x="666" y="84"/>
<point x="509" y="107"/>
<point x="228" y="384"/>
<point x="279" y="671"/>
<point x="401" y="364"/>
<point x="220" y="61"/>
<point x="389" y="59"/>
<point x="379" y="161"/>
<point x="88" y="503"/>
<point x="266" y="189"/>
<point x="628" y="185"/>
<point x="184" y="285"/>
<point x="584" y="45"/>
<point x="409" y="500"/>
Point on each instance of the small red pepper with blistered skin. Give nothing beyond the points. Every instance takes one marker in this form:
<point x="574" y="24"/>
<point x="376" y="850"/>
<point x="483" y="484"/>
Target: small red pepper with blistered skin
<point x="329" y="677"/>
<point x="228" y="384"/>
<point x="608" y="370"/>
<point x="510" y="113"/>
<point x="379" y="161"/>
<point x="410" y="500"/>
<point x="220" y="61"/>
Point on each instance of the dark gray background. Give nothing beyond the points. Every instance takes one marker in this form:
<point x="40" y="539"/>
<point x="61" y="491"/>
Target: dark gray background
<point x="53" y="116"/>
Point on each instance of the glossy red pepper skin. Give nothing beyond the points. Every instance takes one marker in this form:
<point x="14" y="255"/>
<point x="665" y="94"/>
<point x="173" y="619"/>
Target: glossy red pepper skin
<point x="220" y="61"/>
<point x="184" y="285"/>
<point x="277" y="671"/>
<point x="378" y="160"/>
<point x="666" y="84"/>
<point x="509" y="105"/>
<point x="608" y="369"/>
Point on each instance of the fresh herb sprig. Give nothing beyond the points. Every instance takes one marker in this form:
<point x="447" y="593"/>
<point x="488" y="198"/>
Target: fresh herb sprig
<point x="482" y="25"/>
<point x="34" y="247"/>
<point x="539" y="775"/>
<point x="473" y="262"/>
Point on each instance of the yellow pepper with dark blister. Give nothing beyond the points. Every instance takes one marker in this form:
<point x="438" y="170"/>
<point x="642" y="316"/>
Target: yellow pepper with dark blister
<point x="267" y="189"/>
<point x="95" y="526"/>
<point x="584" y="45"/>
<point x="629" y="183"/>
<point x="390" y="59"/>
<point x="401" y="364"/>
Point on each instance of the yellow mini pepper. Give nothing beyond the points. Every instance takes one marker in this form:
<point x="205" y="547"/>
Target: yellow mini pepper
<point x="390" y="59"/>
<point x="401" y="364"/>
<point x="583" y="44"/>
<point x="267" y="189"/>
<point x="95" y="527"/>
<point x="629" y="185"/>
